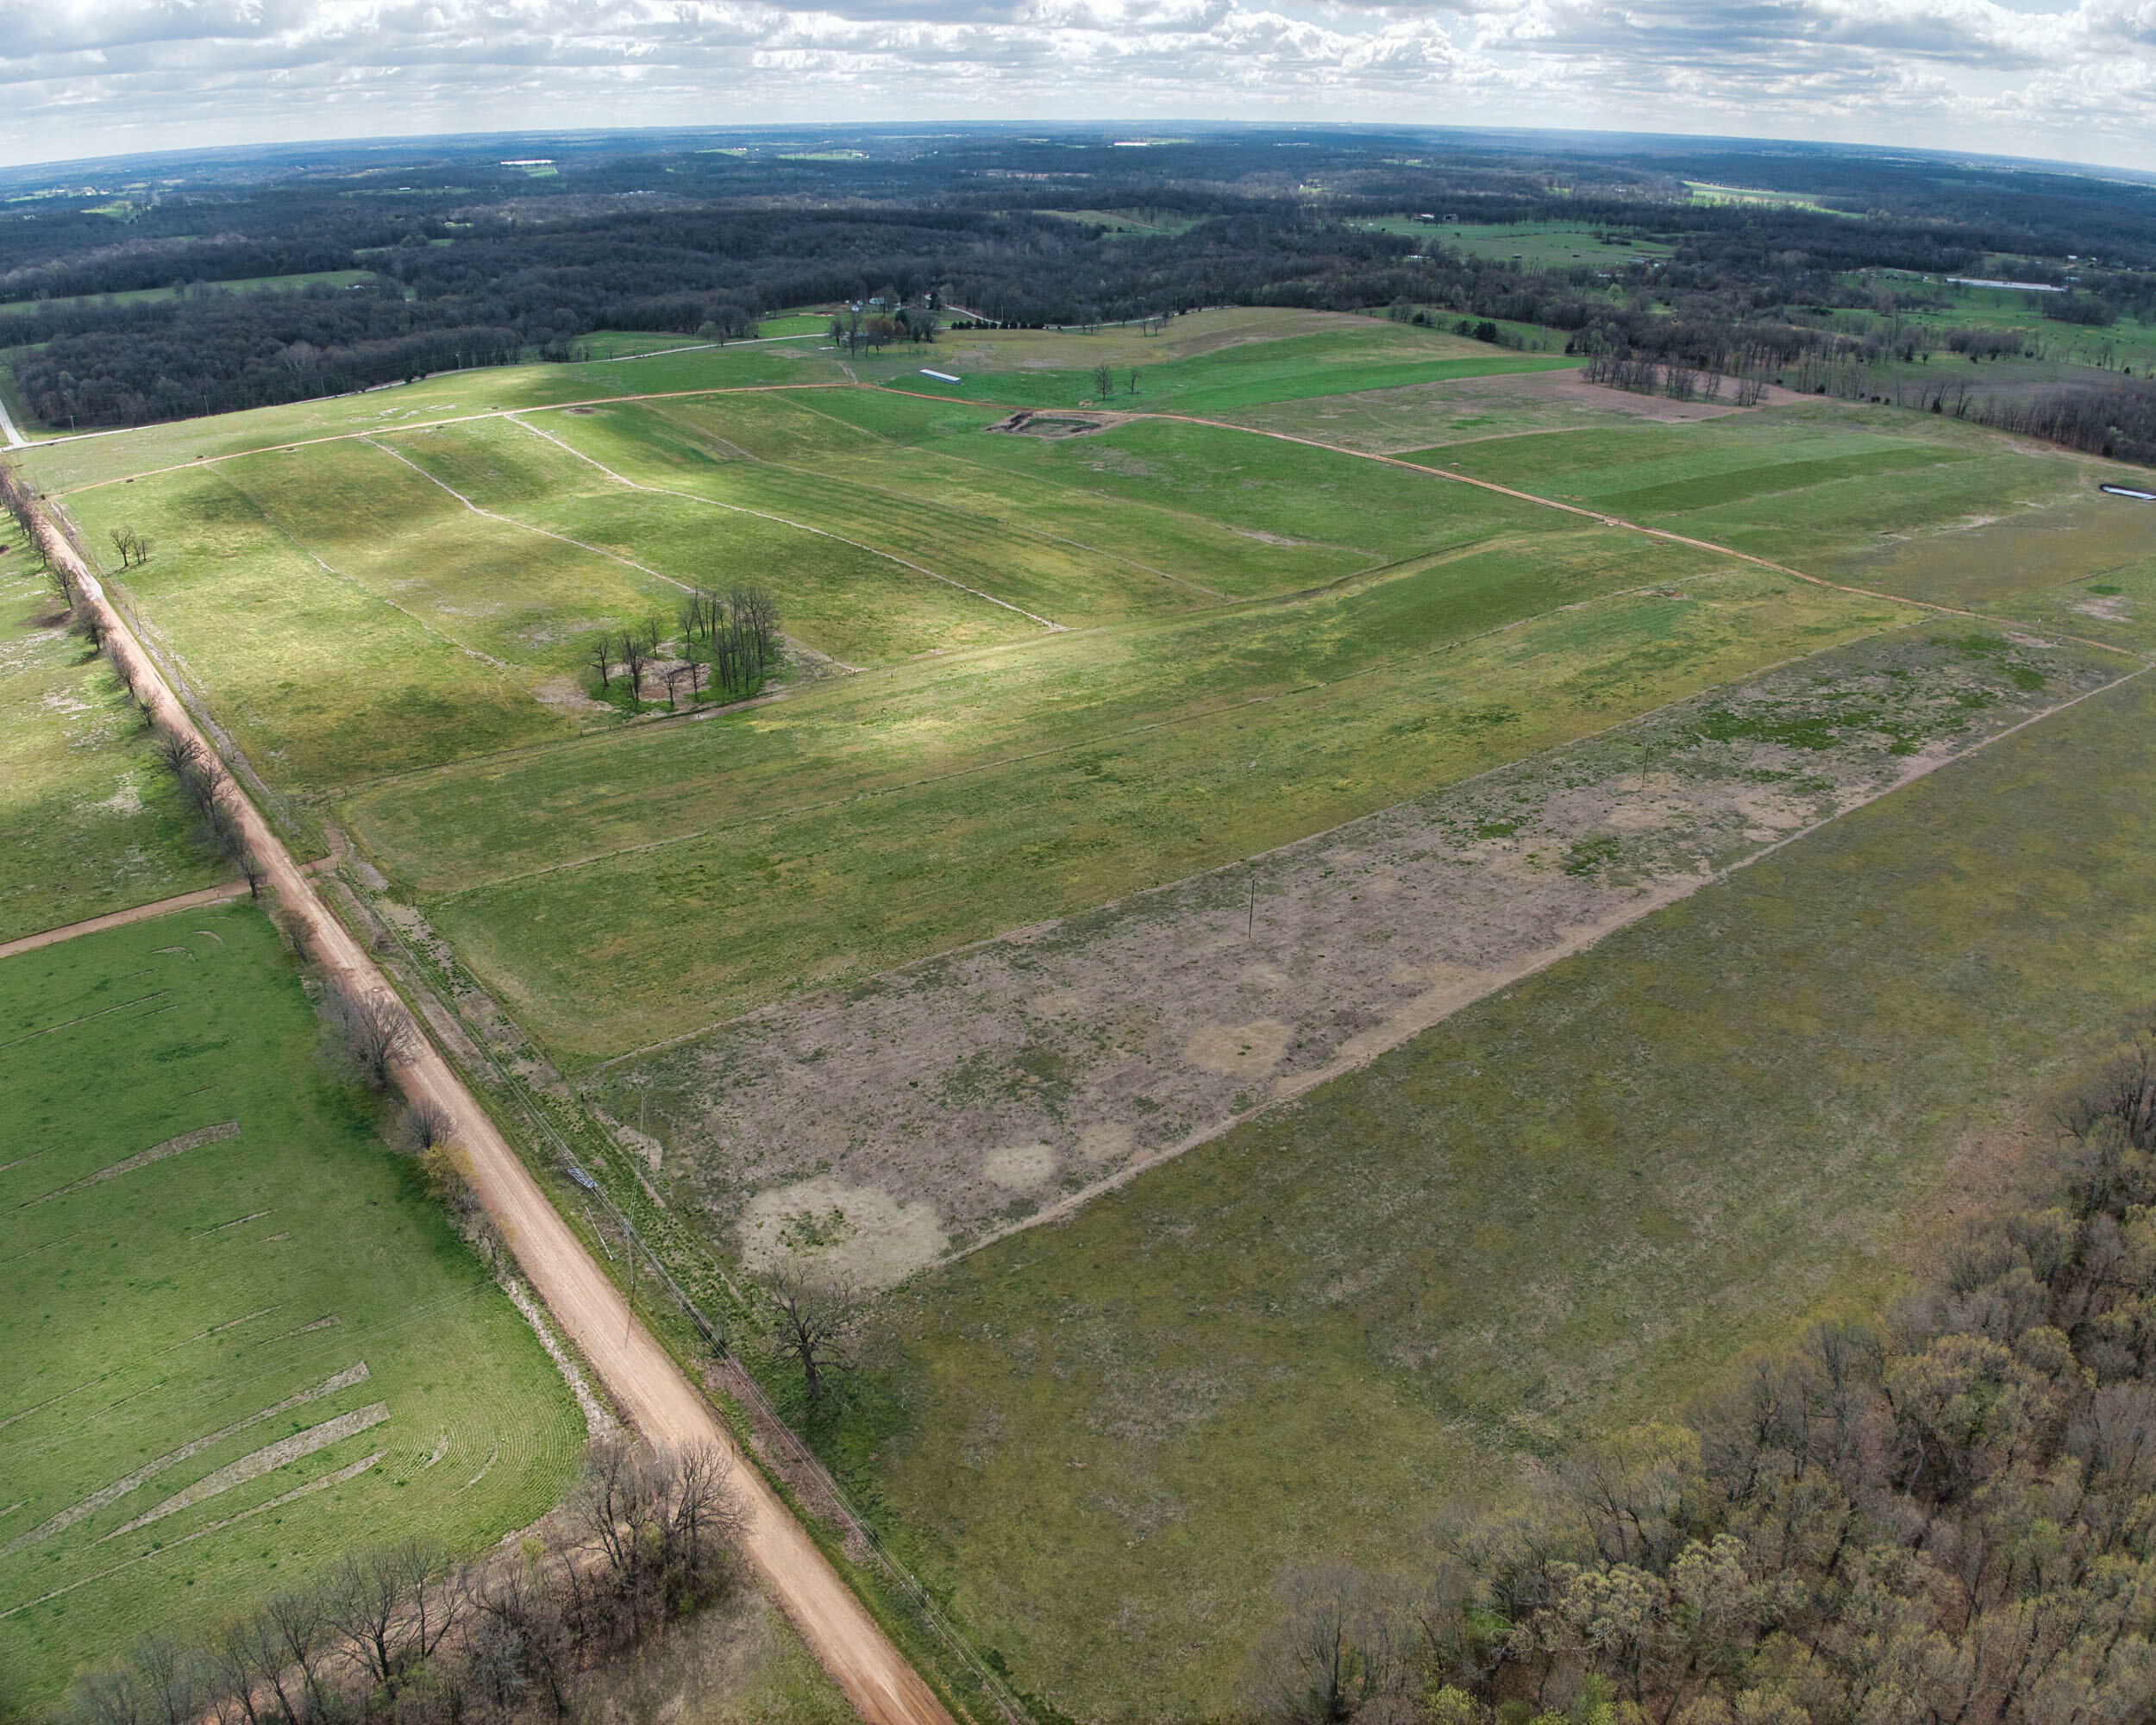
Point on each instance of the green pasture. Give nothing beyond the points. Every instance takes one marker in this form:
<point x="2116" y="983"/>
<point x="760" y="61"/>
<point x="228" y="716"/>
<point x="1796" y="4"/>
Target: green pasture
<point x="1832" y="488"/>
<point x="1127" y="221"/>
<point x="618" y="894"/>
<point x="1421" y="417"/>
<point x="1379" y="356"/>
<point x="320" y="676"/>
<point x="254" y="284"/>
<point x="794" y="323"/>
<point x="70" y="465"/>
<point x="926" y="481"/>
<point x="632" y="344"/>
<point x="1274" y="497"/>
<point x="1569" y="1208"/>
<point x="89" y="821"/>
<point x="838" y="597"/>
<point x="1534" y="245"/>
<point x="1020" y="579"/>
<point x="164" y="1313"/>
<point x="2111" y="601"/>
<point x="1707" y="191"/>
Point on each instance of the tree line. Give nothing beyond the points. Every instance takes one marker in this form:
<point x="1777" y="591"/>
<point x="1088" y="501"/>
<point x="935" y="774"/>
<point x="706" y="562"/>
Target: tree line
<point x="400" y="1633"/>
<point x="1948" y="1515"/>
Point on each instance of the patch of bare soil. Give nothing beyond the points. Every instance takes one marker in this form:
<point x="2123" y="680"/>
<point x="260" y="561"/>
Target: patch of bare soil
<point x="566" y="695"/>
<point x="1030" y="423"/>
<point x="1465" y="410"/>
<point x="929" y="1108"/>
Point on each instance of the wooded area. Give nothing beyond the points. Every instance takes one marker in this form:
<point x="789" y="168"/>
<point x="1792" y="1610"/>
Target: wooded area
<point x="1947" y="1515"/>
<point x="494" y="266"/>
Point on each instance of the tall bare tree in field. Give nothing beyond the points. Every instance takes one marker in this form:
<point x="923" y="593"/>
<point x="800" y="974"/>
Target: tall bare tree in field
<point x="818" y="1312"/>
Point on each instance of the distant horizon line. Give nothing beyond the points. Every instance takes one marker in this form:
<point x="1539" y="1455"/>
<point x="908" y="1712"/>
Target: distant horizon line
<point x="267" y="150"/>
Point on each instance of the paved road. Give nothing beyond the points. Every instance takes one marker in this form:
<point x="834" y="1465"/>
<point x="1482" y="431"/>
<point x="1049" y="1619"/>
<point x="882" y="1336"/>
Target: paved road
<point x="643" y="1380"/>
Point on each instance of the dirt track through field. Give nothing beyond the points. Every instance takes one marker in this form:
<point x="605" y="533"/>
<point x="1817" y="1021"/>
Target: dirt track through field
<point x="98" y="925"/>
<point x="642" y="1379"/>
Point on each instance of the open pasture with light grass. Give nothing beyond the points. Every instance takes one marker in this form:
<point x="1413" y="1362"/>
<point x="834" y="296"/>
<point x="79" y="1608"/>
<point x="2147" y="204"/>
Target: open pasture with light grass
<point x="1393" y="422"/>
<point x="68" y="465"/>
<point x="325" y="661"/>
<point x="1913" y="503"/>
<point x="1565" y="1210"/>
<point x="1535" y="245"/>
<point x="624" y="890"/>
<point x="89" y="820"/>
<point x="241" y="1339"/>
<point x="1373" y="354"/>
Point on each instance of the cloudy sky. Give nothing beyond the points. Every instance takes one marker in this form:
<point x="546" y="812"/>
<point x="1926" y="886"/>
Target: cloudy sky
<point x="81" y="77"/>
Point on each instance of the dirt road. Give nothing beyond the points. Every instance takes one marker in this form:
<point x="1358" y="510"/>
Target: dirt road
<point x="643" y="1380"/>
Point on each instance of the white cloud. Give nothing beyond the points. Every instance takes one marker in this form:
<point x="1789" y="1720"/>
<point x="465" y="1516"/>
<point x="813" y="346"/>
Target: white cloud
<point x="96" y="77"/>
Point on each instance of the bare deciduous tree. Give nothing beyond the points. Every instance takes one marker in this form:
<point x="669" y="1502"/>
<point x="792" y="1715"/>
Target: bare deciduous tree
<point x="425" y="1125"/>
<point x="292" y="1625"/>
<point x="817" y="1311"/>
<point x="1333" y="1656"/>
<point x="1103" y="381"/>
<point x="391" y="1608"/>
<point x="602" y="663"/>
<point x="373" y="1033"/>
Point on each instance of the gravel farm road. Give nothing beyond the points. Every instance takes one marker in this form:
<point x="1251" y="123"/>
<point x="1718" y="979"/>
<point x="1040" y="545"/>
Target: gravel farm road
<point x="644" y="1382"/>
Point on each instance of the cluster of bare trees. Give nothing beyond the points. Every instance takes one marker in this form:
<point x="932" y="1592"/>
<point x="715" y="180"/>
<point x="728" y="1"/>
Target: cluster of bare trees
<point x="722" y="641"/>
<point x="1946" y="1516"/>
<point x="1104" y="381"/>
<point x="401" y="1635"/>
<point x="132" y="547"/>
<point x="1643" y="374"/>
<point x="2117" y="420"/>
<point x="197" y="774"/>
<point x="1989" y="344"/>
<point x="883" y="319"/>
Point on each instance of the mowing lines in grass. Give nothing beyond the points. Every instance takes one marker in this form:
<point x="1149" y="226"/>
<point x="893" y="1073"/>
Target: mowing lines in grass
<point x="134" y="1361"/>
<point x="918" y="568"/>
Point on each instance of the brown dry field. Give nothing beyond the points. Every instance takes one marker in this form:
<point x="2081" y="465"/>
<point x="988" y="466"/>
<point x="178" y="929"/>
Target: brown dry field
<point x="1388" y="422"/>
<point x="926" y="1110"/>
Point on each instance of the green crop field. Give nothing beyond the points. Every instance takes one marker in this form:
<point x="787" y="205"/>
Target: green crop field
<point x="89" y="821"/>
<point x="240" y="1338"/>
<point x="1569" y="1208"/>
